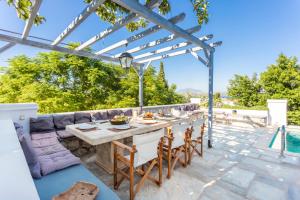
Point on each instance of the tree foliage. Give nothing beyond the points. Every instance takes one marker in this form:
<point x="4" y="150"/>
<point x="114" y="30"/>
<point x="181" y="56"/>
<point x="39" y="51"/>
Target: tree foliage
<point x="59" y="82"/>
<point x="112" y="12"/>
<point x="280" y="81"/>
<point x="244" y="89"/>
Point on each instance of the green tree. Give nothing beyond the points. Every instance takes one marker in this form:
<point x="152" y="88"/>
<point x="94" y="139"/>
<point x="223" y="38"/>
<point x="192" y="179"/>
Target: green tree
<point x="112" y="12"/>
<point x="282" y="81"/>
<point x="59" y="82"/>
<point x="161" y="75"/>
<point x="217" y="99"/>
<point x="244" y="89"/>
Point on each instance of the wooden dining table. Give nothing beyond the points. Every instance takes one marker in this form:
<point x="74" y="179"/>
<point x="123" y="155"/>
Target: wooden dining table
<point x="104" y="133"/>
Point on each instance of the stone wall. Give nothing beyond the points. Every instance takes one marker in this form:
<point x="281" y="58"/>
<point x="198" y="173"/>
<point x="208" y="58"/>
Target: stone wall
<point x="77" y="146"/>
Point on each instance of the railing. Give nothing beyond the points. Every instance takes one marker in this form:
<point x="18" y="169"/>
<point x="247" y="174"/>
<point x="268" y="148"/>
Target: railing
<point x="282" y="146"/>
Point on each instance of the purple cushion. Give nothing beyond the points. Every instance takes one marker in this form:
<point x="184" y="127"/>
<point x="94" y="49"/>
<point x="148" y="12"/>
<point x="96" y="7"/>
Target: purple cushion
<point x="47" y="150"/>
<point x="41" y="124"/>
<point x="57" y="161"/>
<point x="112" y="113"/>
<point x="101" y="115"/>
<point x="38" y="136"/>
<point x="64" y="134"/>
<point x="62" y="120"/>
<point x="30" y="155"/>
<point x="81" y="117"/>
<point x="44" y="142"/>
<point x="128" y="112"/>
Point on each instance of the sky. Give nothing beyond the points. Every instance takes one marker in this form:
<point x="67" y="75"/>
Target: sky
<point x="253" y="32"/>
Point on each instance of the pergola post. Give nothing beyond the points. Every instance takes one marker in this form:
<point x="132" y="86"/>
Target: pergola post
<point x="141" y="88"/>
<point x="210" y="96"/>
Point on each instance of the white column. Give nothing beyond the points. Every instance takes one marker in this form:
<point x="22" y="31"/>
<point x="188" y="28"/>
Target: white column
<point x="277" y="112"/>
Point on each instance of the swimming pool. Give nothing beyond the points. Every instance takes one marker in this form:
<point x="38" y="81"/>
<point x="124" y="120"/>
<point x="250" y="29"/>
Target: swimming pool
<point x="292" y="141"/>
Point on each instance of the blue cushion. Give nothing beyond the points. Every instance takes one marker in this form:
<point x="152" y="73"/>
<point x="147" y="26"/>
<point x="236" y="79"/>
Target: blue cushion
<point x="60" y="181"/>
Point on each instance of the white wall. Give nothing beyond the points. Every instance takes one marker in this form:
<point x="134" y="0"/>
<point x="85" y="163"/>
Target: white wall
<point x="195" y="100"/>
<point x="19" y="112"/>
<point x="277" y="115"/>
<point x="250" y="113"/>
<point x="15" y="178"/>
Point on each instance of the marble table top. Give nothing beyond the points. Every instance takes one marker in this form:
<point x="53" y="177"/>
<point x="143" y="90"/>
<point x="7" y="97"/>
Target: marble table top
<point x="103" y="133"/>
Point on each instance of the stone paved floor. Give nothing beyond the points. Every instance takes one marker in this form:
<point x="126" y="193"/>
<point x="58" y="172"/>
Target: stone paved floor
<point x="239" y="166"/>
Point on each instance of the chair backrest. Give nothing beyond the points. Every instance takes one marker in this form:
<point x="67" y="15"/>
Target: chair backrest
<point x="197" y="127"/>
<point x="146" y="145"/>
<point x="179" y="131"/>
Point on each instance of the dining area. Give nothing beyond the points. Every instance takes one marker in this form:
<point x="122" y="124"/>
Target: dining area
<point x="134" y="146"/>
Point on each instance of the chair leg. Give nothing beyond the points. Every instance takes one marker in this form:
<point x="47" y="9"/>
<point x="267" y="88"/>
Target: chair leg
<point x="138" y="186"/>
<point x="160" y="166"/>
<point x="169" y="162"/>
<point x="201" y="147"/>
<point x="185" y="154"/>
<point x="131" y="182"/>
<point x="115" y="169"/>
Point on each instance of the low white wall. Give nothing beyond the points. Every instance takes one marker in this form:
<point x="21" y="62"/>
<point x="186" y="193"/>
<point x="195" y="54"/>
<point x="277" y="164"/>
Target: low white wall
<point x="250" y="113"/>
<point x="19" y="112"/>
<point x="277" y="115"/>
<point x="16" y="181"/>
<point x="195" y="100"/>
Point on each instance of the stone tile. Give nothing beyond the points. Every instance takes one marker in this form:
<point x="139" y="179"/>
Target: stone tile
<point x="262" y="191"/>
<point x="294" y="192"/>
<point x="239" y="177"/>
<point x="216" y="192"/>
<point x="178" y="182"/>
<point x="225" y="164"/>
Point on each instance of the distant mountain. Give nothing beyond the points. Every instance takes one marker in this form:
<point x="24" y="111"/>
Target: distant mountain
<point x="191" y="91"/>
<point x="195" y="92"/>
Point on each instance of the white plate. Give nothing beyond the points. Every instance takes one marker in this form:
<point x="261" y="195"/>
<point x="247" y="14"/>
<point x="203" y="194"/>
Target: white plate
<point x="85" y="126"/>
<point x="147" y="121"/>
<point x="121" y="127"/>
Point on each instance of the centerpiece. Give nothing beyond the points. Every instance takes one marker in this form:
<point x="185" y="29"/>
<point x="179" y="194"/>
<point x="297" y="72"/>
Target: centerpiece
<point x="119" y="120"/>
<point x="148" y="116"/>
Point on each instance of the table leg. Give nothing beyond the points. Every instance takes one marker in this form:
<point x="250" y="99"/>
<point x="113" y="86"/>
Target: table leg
<point x="105" y="156"/>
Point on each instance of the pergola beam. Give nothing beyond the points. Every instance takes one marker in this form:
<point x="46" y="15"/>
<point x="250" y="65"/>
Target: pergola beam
<point x="170" y="48"/>
<point x="30" y="21"/>
<point x="6" y="46"/>
<point x="176" y="53"/>
<point x="199" y="58"/>
<point x="159" y="41"/>
<point x="41" y="45"/>
<point x="119" y="24"/>
<point x="141" y="10"/>
<point x="34" y="10"/>
<point x="92" y="7"/>
<point x="140" y="35"/>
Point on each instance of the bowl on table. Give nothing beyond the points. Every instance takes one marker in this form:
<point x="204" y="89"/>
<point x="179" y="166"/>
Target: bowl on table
<point x="119" y="120"/>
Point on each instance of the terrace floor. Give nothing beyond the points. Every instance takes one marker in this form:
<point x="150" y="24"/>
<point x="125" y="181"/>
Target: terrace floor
<point x="239" y="166"/>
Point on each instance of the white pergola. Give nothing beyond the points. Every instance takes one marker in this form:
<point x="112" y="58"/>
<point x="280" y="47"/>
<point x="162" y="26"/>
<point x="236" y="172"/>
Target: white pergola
<point x="141" y="61"/>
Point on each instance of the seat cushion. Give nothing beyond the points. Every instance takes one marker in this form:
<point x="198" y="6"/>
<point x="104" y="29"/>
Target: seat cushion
<point x="30" y="155"/>
<point x="102" y="115"/>
<point x="112" y="113"/>
<point x="57" y="161"/>
<point x="42" y="124"/>
<point x="82" y="117"/>
<point x="62" y="180"/>
<point x="128" y="112"/>
<point x="62" y="120"/>
<point x="64" y="134"/>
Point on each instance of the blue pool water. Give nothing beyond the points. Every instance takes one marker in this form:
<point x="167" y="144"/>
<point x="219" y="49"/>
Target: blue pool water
<point x="292" y="141"/>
